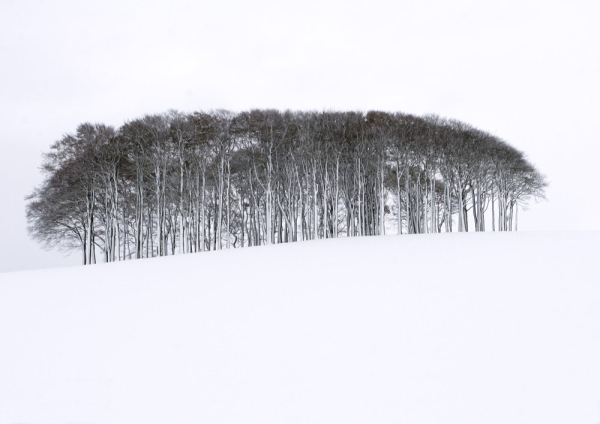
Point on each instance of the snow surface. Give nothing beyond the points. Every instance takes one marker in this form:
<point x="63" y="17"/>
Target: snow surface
<point x="445" y="328"/>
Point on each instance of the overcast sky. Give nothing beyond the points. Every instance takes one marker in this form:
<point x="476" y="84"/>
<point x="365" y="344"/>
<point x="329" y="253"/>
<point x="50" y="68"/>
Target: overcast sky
<point x="527" y="71"/>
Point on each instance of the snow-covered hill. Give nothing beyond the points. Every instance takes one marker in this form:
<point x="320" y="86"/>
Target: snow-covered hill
<point x="447" y="328"/>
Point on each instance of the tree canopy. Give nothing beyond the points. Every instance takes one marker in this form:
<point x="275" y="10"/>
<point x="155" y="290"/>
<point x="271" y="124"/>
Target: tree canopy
<point x="179" y="183"/>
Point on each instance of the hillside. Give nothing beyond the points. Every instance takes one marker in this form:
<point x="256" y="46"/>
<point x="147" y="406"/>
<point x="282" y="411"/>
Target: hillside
<point x="491" y="328"/>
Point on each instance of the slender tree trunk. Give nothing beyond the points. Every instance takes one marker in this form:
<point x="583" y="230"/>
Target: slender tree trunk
<point x="337" y="197"/>
<point x="228" y="205"/>
<point x="382" y="200"/>
<point x="219" y="217"/>
<point x="315" y="217"/>
<point x="493" y="212"/>
<point x="461" y="220"/>
<point x="398" y="197"/>
<point x="407" y="190"/>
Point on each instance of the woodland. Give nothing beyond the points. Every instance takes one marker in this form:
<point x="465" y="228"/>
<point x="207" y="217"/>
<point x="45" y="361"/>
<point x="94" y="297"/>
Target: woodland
<point x="176" y="183"/>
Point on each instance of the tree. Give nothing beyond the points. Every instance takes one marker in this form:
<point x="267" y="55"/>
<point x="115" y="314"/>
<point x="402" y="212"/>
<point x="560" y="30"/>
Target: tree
<point x="178" y="183"/>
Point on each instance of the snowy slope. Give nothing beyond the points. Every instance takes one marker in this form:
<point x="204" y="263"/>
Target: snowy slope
<point x="445" y="328"/>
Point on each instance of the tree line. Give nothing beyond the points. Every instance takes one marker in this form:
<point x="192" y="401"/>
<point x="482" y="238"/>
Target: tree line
<point x="180" y="183"/>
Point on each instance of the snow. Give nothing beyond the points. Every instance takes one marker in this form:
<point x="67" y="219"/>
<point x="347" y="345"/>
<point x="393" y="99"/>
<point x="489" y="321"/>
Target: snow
<point x="442" y="328"/>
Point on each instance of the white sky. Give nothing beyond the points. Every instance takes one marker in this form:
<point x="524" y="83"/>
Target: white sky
<point x="526" y="71"/>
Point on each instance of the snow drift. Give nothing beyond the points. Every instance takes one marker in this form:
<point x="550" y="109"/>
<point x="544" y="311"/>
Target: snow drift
<point x="444" y="328"/>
